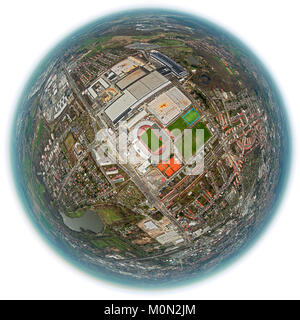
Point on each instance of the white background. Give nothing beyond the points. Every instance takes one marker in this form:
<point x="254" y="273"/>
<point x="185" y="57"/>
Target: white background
<point x="30" y="269"/>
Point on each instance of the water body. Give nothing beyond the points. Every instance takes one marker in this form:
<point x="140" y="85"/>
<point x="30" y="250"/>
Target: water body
<point x="88" y="221"/>
<point x="205" y="79"/>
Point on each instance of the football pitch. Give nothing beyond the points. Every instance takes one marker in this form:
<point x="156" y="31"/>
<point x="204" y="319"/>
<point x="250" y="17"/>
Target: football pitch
<point x="191" y="116"/>
<point x="151" y="140"/>
<point x="184" y="122"/>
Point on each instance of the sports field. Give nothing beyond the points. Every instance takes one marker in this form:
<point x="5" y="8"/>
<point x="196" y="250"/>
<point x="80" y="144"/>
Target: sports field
<point x="191" y="116"/>
<point x="201" y="125"/>
<point x="189" y="143"/>
<point x="151" y="140"/>
<point x="178" y="124"/>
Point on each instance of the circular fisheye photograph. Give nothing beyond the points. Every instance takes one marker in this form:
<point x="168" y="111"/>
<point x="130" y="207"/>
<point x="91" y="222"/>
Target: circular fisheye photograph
<point x="150" y="147"/>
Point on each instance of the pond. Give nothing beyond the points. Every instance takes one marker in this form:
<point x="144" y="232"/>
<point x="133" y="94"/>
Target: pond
<point x="88" y="221"/>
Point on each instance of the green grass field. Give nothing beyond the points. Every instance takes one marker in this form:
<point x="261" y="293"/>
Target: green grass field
<point x="75" y="214"/>
<point x="167" y="42"/>
<point x="38" y="136"/>
<point x="69" y="142"/>
<point x="94" y="41"/>
<point x="188" y="144"/>
<point x="201" y="125"/>
<point x="111" y="242"/>
<point x="191" y="116"/>
<point x="151" y="140"/>
<point x="109" y="215"/>
<point x="178" y="124"/>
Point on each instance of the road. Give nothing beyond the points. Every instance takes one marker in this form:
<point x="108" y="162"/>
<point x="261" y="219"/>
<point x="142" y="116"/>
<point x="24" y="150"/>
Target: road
<point x="81" y="98"/>
<point x="66" y="179"/>
<point x="210" y="160"/>
<point x="142" y="185"/>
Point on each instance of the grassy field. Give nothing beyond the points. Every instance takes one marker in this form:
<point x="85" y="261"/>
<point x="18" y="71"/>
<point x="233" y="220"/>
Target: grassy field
<point x="191" y="116"/>
<point x="69" y="142"/>
<point x="188" y="144"/>
<point x="38" y="136"/>
<point x="96" y="42"/>
<point x="178" y="124"/>
<point x="151" y="140"/>
<point x="27" y="165"/>
<point x="41" y="189"/>
<point x="201" y="125"/>
<point x="109" y="215"/>
<point x="111" y="242"/>
<point x="167" y="42"/>
<point x="75" y="214"/>
<point x="100" y="244"/>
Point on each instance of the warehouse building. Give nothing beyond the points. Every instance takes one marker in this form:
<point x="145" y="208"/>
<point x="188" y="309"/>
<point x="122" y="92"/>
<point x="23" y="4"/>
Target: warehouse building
<point x="148" y="85"/>
<point x="131" y="78"/>
<point x="169" y="105"/>
<point x="179" y="98"/>
<point x="117" y="110"/>
<point x="136" y="94"/>
<point x="126" y="65"/>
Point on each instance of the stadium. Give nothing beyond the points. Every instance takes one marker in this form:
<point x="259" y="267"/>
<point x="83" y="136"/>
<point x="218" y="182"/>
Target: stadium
<point x="151" y="139"/>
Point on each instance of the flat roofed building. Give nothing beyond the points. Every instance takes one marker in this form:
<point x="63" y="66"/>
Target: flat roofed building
<point x="177" y="69"/>
<point x="135" y="119"/>
<point x="153" y="80"/>
<point x="120" y="107"/>
<point x="127" y="65"/>
<point x="164" y="108"/>
<point x="97" y="86"/>
<point x="92" y="93"/>
<point x="132" y="77"/>
<point x="136" y="94"/>
<point x="149" y="83"/>
<point x="179" y="98"/>
<point x="103" y="83"/>
<point x="139" y="90"/>
<point x="170" y="236"/>
<point x="150" y="225"/>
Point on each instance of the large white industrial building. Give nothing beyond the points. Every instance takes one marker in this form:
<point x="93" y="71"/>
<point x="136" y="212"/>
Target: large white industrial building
<point x="136" y="94"/>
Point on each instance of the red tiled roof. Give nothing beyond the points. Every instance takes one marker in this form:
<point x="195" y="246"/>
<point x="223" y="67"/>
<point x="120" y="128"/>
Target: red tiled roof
<point x="164" y="164"/>
<point x="169" y="172"/>
<point x="160" y="167"/>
